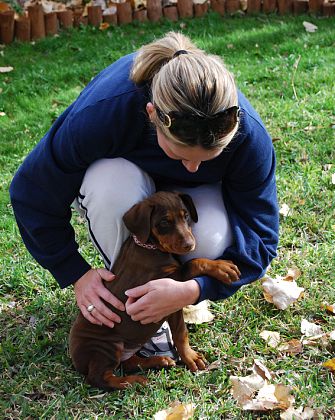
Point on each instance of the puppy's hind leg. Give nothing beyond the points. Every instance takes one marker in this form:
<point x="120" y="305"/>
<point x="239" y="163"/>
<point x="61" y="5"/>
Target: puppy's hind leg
<point x="101" y="371"/>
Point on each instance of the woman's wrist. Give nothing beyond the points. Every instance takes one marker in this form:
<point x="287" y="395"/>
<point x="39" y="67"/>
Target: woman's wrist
<point x="191" y="292"/>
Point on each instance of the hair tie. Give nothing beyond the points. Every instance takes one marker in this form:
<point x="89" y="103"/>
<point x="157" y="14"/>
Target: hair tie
<point x="179" y="52"/>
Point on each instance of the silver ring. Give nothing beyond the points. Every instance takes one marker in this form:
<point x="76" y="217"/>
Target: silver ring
<point x="90" y="308"/>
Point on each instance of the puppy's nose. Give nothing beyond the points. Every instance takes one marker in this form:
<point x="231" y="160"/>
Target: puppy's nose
<point x="188" y="246"/>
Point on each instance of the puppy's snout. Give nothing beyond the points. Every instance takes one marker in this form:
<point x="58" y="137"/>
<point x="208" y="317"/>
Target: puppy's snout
<point x="188" y="245"/>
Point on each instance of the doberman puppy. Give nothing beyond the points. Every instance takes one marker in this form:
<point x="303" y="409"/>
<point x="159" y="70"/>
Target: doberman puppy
<point x="160" y="230"/>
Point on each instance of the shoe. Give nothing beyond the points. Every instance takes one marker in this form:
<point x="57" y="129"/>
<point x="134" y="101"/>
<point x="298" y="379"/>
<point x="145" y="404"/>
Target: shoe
<point x="161" y="344"/>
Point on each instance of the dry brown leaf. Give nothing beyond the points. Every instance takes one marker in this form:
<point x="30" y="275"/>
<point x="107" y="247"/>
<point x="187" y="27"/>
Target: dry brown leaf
<point x="330" y="364"/>
<point x="260" y="369"/>
<point x="283" y="293"/>
<point x="309" y="329"/>
<point x="103" y="26"/>
<point x="300" y="413"/>
<point x="293" y="274"/>
<point x="176" y="411"/>
<point x="6" y="69"/>
<point x="268" y="397"/>
<point x="292" y="347"/>
<point x="254" y="392"/>
<point x="271" y="337"/>
<point x="198" y="314"/>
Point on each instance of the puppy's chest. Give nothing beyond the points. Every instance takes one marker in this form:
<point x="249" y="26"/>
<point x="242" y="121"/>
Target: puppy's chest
<point x="135" y="267"/>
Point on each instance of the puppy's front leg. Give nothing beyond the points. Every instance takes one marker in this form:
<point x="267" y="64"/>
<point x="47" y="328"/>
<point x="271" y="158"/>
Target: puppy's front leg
<point x="223" y="270"/>
<point x="193" y="360"/>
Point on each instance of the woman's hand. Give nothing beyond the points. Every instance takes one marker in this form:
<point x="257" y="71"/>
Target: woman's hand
<point x="159" y="298"/>
<point x="89" y="290"/>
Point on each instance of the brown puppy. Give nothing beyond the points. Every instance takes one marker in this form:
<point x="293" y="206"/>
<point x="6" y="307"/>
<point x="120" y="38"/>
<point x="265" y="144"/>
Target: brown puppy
<point x="160" y="228"/>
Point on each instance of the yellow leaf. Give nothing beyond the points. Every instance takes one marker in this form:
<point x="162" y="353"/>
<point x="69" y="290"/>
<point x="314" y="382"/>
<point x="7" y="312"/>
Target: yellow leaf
<point x="330" y="364"/>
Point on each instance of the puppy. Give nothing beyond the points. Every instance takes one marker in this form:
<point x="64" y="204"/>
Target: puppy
<point x="160" y="230"/>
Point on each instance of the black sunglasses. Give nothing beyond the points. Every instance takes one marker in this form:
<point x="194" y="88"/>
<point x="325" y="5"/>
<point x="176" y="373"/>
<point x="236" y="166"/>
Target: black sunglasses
<point x="204" y="129"/>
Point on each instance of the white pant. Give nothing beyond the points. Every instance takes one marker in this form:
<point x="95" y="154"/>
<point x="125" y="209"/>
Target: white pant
<point x="111" y="186"/>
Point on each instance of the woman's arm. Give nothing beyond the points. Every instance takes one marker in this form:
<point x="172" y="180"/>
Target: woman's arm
<point x="249" y="193"/>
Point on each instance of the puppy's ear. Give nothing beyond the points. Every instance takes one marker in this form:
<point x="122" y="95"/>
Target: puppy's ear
<point x="188" y="202"/>
<point x="137" y="220"/>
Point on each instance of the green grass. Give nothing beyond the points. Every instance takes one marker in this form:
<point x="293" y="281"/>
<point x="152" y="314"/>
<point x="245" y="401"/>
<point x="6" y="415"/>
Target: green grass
<point x="37" y="379"/>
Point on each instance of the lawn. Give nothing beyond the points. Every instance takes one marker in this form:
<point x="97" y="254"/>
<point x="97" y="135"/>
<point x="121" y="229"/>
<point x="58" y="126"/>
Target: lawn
<point x="288" y="75"/>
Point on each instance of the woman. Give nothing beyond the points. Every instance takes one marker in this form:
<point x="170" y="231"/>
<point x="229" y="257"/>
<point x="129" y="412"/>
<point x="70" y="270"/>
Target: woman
<point x="169" y="116"/>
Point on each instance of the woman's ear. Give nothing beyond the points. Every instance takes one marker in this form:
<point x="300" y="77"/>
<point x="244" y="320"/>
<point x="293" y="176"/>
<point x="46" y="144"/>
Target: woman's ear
<point x="150" y="110"/>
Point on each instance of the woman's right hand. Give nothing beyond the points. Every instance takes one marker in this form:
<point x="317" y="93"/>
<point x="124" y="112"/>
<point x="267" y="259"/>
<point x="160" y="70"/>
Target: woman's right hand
<point x="90" y="290"/>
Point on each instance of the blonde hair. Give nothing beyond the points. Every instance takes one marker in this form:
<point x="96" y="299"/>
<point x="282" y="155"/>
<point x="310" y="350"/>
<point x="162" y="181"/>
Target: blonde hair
<point x="195" y="83"/>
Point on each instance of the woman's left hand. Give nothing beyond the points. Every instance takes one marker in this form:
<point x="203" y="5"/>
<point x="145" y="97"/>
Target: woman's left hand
<point x="159" y="298"/>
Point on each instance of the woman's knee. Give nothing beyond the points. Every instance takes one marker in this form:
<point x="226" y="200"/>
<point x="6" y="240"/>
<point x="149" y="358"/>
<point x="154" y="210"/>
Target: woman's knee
<point x="213" y="232"/>
<point x="114" y="185"/>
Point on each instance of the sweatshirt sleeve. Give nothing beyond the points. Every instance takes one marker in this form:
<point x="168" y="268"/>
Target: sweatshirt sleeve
<point x="249" y="194"/>
<point x="49" y="180"/>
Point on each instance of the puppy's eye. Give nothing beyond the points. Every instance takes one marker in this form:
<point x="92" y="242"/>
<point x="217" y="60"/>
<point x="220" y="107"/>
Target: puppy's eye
<point x="187" y="217"/>
<point x="164" y="223"/>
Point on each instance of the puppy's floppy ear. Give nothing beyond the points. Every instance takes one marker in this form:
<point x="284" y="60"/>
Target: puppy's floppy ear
<point x="188" y="202"/>
<point x="137" y="220"/>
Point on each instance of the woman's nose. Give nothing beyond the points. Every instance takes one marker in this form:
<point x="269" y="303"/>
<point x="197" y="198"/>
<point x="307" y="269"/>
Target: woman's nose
<point x="191" y="166"/>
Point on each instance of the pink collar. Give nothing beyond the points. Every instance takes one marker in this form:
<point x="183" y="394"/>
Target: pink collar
<point x="146" y="246"/>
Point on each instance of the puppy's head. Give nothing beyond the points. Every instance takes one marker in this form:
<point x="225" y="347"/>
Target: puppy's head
<point x="164" y="219"/>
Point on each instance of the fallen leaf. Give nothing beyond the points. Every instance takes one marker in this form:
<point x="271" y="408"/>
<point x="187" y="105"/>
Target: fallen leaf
<point x="254" y="393"/>
<point x="177" y="411"/>
<point x="292" y="274"/>
<point x="214" y="365"/>
<point x="103" y="26"/>
<point x="330" y="364"/>
<point x="309" y="329"/>
<point x="317" y="340"/>
<point x="271" y="337"/>
<point x="300" y="413"/>
<point x="329" y="308"/>
<point x="291" y="347"/>
<point x="280" y="292"/>
<point x="6" y="69"/>
<point x="284" y="210"/>
<point x="198" y="314"/>
<point x="310" y="27"/>
<point x="244" y="387"/>
<point x="260" y="369"/>
<point x="327" y="167"/>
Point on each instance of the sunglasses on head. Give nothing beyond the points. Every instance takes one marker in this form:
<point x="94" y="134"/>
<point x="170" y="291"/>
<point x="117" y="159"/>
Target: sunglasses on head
<point x="205" y="128"/>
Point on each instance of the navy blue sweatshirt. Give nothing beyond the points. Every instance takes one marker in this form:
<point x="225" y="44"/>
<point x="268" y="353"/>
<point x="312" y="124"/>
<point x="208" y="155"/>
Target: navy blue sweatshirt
<point x="108" y="120"/>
